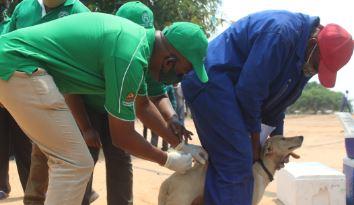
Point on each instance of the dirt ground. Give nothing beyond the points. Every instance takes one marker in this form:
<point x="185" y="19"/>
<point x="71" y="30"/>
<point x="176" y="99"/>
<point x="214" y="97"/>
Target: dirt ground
<point x="323" y="143"/>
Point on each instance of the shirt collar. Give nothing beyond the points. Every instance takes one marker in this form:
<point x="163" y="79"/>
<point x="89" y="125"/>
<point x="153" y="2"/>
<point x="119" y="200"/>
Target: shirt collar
<point x="43" y="8"/>
<point x="67" y="3"/>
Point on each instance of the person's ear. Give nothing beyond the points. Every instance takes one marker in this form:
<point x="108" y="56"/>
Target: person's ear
<point x="168" y="63"/>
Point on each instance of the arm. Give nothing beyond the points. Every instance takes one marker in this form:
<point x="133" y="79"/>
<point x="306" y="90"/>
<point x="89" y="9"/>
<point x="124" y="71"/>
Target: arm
<point x="163" y="104"/>
<point x="265" y="61"/>
<point x="150" y="116"/>
<point x="124" y="135"/>
<point x="78" y="110"/>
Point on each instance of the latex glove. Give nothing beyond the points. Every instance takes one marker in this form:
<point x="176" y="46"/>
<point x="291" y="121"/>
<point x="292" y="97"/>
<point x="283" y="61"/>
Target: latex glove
<point x="178" y="129"/>
<point x="178" y="162"/>
<point x="92" y="138"/>
<point x="197" y="152"/>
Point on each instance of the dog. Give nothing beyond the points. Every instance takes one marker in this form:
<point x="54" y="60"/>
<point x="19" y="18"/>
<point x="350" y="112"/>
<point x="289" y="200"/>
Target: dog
<point x="188" y="188"/>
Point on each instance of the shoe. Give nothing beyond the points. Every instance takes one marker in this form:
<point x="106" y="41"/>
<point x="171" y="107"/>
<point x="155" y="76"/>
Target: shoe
<point x="3" y="195"/>
<point x="94" y="196"/>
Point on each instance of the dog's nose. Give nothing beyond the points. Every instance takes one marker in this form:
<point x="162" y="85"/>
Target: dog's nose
<point x="301" y="138"/>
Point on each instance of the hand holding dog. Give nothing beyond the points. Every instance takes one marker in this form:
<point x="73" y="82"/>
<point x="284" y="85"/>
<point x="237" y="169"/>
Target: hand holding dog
<point x="178" y="162"/>
<point x="197" y="152"/>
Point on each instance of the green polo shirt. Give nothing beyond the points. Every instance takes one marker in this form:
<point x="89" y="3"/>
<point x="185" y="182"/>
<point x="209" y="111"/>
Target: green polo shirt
<point x="31" y="12"/>
<point x="89" y="53"/>
<point x="154" y="88"/>
<point x="4" y="26"/>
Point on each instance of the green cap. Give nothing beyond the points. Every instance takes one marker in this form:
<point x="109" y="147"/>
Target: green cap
<point x="190" y="41"/>
<point x="137" y="12"/>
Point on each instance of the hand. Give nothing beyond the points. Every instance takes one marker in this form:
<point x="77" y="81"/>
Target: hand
<point x="286" y="159"/>
<point x="197" y="152"/>
<point x="178" y="129"/>
<point x="92" y="138"/>
<point x="178" y="162"/>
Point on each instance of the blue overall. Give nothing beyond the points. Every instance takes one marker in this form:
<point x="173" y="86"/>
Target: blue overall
<point x="255" y="72"/>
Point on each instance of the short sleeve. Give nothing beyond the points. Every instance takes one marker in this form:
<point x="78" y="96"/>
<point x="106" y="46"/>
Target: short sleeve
<point x="124" y="70"/>
<point x="143" y="88"/>
<point x="123" y="82"/>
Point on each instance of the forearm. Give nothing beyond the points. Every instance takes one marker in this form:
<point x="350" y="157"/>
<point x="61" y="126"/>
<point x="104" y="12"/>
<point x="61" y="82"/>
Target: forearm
<point x="78" y="110"/>
<point x="133" y="142"/>
<point x="150" y="116"/>
<point x="163" y="104"/>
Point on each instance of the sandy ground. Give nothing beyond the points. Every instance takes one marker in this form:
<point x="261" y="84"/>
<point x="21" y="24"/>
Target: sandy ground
<point x="323" y="143"/>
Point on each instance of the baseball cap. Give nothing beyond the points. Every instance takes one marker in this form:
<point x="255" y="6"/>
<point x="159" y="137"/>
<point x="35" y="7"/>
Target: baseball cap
<point x="53" y="3"/>
<point x="190" y="41"/>
<point x="137" y="12"/>
<point x="336" y="48"/>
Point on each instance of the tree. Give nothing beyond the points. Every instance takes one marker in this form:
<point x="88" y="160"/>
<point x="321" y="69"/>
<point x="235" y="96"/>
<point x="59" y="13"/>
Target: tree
<point x="317" y="98"/>
<point x="168" y="11"/>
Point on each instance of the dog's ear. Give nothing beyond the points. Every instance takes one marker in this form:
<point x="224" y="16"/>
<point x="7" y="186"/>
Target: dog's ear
<point x="268" y="149"/>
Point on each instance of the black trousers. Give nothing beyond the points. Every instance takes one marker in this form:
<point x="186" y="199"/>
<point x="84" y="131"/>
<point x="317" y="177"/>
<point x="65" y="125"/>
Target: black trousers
<point x="119" y="172"/>
<point x="13" y="140"/>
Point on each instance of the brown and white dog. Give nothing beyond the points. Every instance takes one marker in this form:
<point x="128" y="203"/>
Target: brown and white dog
<point x="188" y="188"/>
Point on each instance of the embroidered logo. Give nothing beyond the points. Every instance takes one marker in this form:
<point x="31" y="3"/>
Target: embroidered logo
<point x="129" y="100"/>
<point x="145" y="18"/>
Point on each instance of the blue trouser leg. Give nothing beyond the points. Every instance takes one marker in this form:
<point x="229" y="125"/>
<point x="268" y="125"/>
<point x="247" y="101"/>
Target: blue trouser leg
<point x="223" y="134"/>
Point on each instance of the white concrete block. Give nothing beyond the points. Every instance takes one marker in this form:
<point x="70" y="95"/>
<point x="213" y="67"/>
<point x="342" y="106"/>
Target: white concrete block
<point x="310" y="183"/>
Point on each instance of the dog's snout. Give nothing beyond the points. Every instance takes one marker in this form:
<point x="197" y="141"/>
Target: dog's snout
<point x="301" y="138"/>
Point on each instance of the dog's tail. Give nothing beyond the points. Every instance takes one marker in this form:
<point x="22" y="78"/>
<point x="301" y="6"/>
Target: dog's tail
<point x="163" y="193"/>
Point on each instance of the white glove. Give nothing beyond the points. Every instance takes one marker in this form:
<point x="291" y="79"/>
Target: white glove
<point x="178" y="162"/>
<point x="197" y="152"/>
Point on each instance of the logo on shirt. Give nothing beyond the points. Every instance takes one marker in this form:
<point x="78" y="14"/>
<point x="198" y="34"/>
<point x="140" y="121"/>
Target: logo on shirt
<point x="63" y="14"/>
<point x="129" y="100"/>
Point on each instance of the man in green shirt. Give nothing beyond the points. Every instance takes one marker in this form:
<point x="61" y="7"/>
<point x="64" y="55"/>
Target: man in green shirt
<point x="29" y="13"/>
<point x="119" y="175"/>
<point x="111" y="56"/>
<point x="33" y="12"/>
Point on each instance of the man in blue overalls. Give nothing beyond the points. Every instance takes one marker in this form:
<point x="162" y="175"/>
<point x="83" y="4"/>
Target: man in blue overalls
<point x="257" y="68"/>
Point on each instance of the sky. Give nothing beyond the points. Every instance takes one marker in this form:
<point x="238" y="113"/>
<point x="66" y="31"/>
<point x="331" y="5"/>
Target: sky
<point x="330" y="11"/>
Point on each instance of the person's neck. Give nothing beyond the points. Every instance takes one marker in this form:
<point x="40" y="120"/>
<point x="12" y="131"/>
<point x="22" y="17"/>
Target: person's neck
<point x="154" y="63"/>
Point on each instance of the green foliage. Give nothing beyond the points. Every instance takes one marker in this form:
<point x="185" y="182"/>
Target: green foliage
<point x="317" y="98"/>
<point x="168" y="11"/>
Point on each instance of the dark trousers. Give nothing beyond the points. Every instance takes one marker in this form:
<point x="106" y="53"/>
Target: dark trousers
<point x="345" y="104"/>
<point x="119" y="172"/>
<point x="13" y="139"/>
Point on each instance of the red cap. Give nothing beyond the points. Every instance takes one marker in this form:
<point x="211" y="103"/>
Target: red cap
<point x="336" y="48"/>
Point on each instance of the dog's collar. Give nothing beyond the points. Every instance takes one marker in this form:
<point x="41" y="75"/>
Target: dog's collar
<point x="270" y="176"/>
